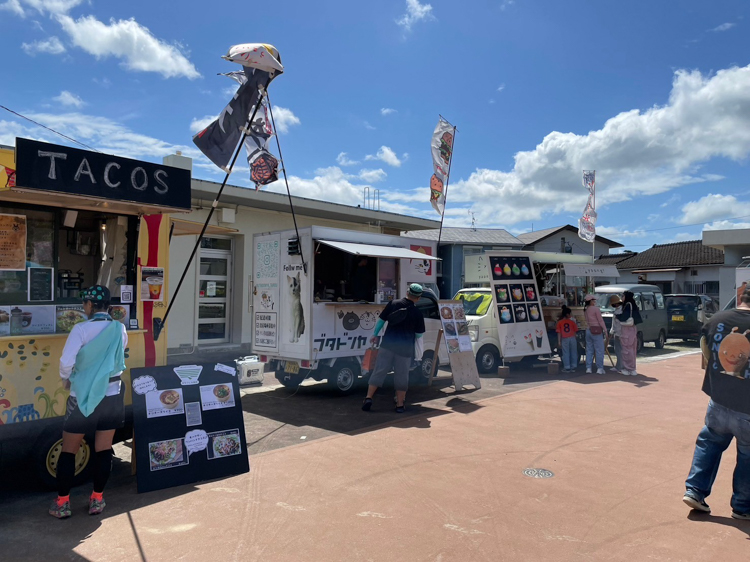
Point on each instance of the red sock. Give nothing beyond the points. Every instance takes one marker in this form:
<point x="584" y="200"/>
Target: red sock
<point x="62" y="499"/>
<point x="99" y="496"/>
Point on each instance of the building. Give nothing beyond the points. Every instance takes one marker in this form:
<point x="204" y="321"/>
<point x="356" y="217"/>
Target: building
<point x="213" y="310"/>
<point x="680" y="267"/>
<point x="564" y="239"/>
<point x="735" y="247"/>
<point x="456" y="243"/>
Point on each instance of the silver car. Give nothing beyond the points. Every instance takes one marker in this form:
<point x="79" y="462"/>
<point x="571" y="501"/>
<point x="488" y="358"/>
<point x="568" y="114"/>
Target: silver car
<point x="650" y="301"/>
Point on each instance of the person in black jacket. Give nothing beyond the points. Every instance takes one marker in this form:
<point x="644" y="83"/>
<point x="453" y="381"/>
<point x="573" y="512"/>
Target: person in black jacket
<point x="405" y="327"/>
<point x="726" y="347"/>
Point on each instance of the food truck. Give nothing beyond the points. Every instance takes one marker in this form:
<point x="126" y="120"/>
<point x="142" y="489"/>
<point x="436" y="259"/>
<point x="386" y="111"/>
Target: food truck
<point x="318" y="294"/>
<point x="70" y="219"/>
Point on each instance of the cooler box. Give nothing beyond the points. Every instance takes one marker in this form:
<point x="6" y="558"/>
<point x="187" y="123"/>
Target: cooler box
<point x="250" y="370"/>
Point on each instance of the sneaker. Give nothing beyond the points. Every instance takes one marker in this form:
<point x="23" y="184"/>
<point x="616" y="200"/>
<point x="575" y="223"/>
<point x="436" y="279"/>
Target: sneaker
<point x="367" y="404"/>
<point x="600" y="372"/>
<point x="698" y="505"/>
<point x="400" y="409"/>
<point x="60" y="511"/>
<point x="615" y="370"/>
<point x="96" y="506"/>
<point x="588" y="371"/>
<point x="744" y="516"/>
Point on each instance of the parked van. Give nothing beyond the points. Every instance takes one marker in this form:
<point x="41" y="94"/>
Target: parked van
<point x="686" y="314"/>
<point x="650" y="301"/>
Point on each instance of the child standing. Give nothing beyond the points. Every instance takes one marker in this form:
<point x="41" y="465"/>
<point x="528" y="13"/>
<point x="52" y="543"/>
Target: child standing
<point x="566" y="340"/>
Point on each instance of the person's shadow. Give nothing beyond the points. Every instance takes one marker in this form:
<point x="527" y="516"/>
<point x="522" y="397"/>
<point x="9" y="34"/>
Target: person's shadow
<point x="739" y="524"/>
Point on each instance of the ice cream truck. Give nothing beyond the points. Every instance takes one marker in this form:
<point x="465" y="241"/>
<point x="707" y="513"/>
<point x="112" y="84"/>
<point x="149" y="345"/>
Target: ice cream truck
<point x="318" y="294"/>
<point x="70" y="219"/>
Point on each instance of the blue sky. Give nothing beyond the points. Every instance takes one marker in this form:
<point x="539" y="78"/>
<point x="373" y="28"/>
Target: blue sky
<point x="655" y="98"/>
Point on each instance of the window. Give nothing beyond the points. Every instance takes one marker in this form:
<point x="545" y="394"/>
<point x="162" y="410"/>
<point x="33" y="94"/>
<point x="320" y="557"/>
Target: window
<point x="659" y="301"/>
<point x="712" y="288"/>
<point x="648" y="301"/>
<point x="428" y="308"/>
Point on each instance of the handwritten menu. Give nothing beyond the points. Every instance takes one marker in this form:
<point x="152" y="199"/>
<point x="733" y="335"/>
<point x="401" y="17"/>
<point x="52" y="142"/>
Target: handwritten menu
<point x="40" y="284"/>
<point x="12" y="242"/>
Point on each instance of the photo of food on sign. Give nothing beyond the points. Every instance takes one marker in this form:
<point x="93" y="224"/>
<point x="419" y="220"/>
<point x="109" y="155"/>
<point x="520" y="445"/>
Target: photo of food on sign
<point x="216" y="396"/>
<point x="458" y="313"/>
<point x="530" y="292"/>
<point x="164" y="403"/>
<point x="69" y="316"/>
<point x="224" y="444"/>
<point x="520" y="313"/>
<point x="534" y="312"/>
<point x="516" y="293"/>
<point x="450" y="329"/>
<point x="505" y="314"/>
<point x="166" y="454"/>
<point x="453" y="346"/>
<point x="511" y="268"/>
<point x="501" y="293"/>
<point x="463" y="329"/>
<point x="446" y="312"/>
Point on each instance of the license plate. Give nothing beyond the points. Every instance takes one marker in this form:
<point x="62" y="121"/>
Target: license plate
<point x="291" y="367"/>
<point x="679" y="318"/>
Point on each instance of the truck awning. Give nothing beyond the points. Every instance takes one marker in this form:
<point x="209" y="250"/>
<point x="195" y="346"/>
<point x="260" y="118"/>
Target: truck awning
<point x="375" y="251"/>
<point x="591" y="270"/>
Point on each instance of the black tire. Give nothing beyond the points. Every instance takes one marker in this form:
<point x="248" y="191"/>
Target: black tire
<point x="661" y="340"/>
<point x="488" y="359"/>
<point x="47" y="451"/>
<point x="639" y="342"/>
<point x="291" y="381"/>
<point x="343" y="376"/>
<point x="421" y="375"/>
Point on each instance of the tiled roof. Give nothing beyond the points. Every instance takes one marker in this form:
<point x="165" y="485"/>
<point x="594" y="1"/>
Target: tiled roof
<point x="615" y="259"/>
<point x="484" y="236"/>
<point x="531" y="238"/>
<point x="678" y="254"/>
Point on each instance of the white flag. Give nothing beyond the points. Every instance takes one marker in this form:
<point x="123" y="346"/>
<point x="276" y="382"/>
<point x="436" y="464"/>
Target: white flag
<point x="442" y="152"/>
<point x="587" y="223"/>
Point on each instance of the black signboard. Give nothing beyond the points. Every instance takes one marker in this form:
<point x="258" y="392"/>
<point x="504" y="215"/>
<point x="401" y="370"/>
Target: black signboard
<point x="52" y="167"/>
<point x="188" y="425"/>
<point x="40" y="284"/>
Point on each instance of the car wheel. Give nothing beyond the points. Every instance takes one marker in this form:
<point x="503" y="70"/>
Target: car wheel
<point x="659" y="343"/>
<point x="639" y="342"/>
<point x="421" y="375"/>
<point x="290" y="380"/>
<point x="488" y="359"/>
<point x="47" y="452"/>
<point x="343" y="376"/>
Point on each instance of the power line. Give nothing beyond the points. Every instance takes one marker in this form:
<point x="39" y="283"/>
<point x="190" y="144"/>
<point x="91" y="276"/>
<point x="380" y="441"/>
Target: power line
<point x="48" y="128"/>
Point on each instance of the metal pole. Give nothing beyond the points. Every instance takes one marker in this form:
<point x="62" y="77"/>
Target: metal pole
<point x="445" y="197"/>
<point x="159" y="323"/>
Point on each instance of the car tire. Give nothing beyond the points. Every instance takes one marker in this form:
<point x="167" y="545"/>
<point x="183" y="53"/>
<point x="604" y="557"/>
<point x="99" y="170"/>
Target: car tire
<point x="488" y="359"/>
<point x="343" y="376"/>
<point x="661" y="340"/>
<point x="639" y="342"/>
<point x="291" y="381"/>
<point x="421" y="375"/>
<point x="47" y="452"/>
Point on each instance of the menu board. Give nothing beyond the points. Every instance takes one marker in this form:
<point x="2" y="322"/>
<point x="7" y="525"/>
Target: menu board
<point x="188" y="425"/>
<point x="23" y="320"/>
<point x="40" y="284"/>
<point x="455" y="327"/>
<point x="12" y="242"/>
<point x="521" y="327"/>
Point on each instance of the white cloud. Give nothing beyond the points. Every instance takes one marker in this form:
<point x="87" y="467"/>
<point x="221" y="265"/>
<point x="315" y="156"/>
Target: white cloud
<point x="130" y="41"/>
<point x="368" y="126"/>
<point x="387" y="111"/>
<point x="616" y="232"/>
<point x="69" y="100"/>
<point x="372" y="176"/>
<point x="713" y="207"/>
<point x="13" y="6"/>
<point x="415" y="12"/>
<point x="51" y="46"/>
<point x="635" y="153"/>
<point x="501" y="87"/>
<point x="726" y="225"/>
<point x="344" y="160"/>
<point x="103" y="82"/>
<point x="198" y="124"/>
<point x="723" y="27"/>
<point x="41" y="6"/>
<point x="387" y="155"/>
<point x="284" y="118"/>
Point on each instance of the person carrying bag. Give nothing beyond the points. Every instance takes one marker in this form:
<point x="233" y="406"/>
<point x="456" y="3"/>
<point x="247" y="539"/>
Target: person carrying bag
<point x="629" y="318"/>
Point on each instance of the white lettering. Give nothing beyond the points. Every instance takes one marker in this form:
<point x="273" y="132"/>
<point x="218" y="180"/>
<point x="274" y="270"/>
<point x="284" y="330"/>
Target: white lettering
<point x="86" y="171"/>
<point x="158" y="179"/>
<point x="228" y="109"/>
<point x="106" y="174"/>
<point x="52" y="156"/>
<point x="141" y="186"/>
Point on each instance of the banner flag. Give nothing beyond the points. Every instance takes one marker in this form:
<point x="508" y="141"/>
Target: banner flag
<point x="264" y="167"/>
<point x="587" y="222"/>
<point x="442" y="152"/>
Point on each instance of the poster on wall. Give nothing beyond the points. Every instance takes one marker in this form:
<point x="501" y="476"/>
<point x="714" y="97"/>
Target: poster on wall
<point x="152" y="284"/>
<point x="421" y="270"/>
<point x="68" y="316"/>
<point x="12" y="242"/>
<point x="188" y="425"/>
<point x="265" y="296"/>
<point x="521" y="328"/>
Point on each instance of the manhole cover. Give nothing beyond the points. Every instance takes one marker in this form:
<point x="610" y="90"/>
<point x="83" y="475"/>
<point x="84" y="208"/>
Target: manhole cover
<point x="538" y="473"/>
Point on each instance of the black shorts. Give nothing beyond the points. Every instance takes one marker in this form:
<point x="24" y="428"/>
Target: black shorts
<point x="109" y="414"/>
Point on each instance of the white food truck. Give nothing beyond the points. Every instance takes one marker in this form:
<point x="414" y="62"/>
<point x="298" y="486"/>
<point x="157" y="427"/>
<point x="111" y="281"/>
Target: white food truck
<point x="316" y="299"/>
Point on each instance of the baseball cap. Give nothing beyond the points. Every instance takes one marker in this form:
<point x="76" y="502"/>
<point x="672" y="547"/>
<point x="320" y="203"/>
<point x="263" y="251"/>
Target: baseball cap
<point x="415" y="289"/>
<point x="97" y="293"/>
<point x="588" y="298"/>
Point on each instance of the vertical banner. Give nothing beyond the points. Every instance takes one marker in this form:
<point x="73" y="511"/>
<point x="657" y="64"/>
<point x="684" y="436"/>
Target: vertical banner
<point x="266" y="303"/>
<point x="442" y="152"/>
<point x="587" y="222"/>
<point x="521" y="327"/>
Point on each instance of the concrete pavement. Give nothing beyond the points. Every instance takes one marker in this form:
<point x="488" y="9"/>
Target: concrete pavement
<point x="444" y="488"/>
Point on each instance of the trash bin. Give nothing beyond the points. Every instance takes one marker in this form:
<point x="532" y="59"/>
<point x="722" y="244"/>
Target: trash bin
<point x="250" y="370"/>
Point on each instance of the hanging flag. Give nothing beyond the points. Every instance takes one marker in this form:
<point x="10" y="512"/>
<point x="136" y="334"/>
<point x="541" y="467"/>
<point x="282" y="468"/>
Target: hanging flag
<point x="264" y="167"/>
<point x="261" y="64"/>
<point x="587" y="222"/>
<point x="442" y="152"/>
<point x="10" y="175"/>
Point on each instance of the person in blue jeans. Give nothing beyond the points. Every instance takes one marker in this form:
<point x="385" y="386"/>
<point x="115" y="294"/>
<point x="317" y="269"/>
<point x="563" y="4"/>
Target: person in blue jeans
<point x="595" y="334"/>
<point x="725" y="345"/>
<point x="566" y="340"/>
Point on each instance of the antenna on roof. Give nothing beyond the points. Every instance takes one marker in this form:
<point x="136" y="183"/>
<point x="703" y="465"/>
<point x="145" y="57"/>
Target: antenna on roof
<point x="473" y="221"/>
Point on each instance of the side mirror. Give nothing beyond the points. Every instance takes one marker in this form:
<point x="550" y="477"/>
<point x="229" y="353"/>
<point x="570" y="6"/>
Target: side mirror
<point x="700" y="307"/>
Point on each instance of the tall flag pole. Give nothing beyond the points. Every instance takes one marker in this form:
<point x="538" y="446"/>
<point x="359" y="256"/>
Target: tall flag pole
<point x="222" y="140"/>
<point x="587" y="222"/>
<point x="442" y="157"/>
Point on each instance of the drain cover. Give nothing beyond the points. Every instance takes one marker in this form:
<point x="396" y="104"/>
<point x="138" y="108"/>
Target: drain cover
<point x="538" y="473"/>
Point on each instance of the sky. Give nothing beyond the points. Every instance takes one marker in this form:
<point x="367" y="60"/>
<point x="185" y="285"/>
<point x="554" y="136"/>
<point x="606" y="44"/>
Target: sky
<point x="653" y="97"/>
